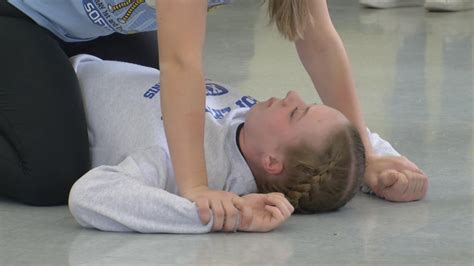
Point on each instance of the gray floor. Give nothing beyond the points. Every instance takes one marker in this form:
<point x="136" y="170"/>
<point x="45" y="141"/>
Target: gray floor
<point x="414" y="73"/>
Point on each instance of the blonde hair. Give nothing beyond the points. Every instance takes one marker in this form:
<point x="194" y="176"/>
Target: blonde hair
<point x="290" y="16"/>
<point x="325" y="180"/>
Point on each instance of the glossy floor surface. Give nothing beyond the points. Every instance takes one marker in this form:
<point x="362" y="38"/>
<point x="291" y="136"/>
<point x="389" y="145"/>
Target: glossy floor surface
<point x="414" y="75"/>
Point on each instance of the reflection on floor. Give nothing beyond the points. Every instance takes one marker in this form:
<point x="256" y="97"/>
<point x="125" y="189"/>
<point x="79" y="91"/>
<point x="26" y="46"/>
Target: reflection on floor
<point x="414" y="74"/>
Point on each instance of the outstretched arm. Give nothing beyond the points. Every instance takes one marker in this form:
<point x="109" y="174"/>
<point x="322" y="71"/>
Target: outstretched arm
<point x="130" y="197"/>
<point x="181" y="32"/>
<point x="324" y="58"/>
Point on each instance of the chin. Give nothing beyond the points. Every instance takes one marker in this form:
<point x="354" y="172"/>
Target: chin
<point x="252" y="112"/>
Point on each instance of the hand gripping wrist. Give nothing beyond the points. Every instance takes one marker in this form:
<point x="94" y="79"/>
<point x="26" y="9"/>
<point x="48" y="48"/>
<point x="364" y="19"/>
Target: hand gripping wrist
<point x="237" y="224"/>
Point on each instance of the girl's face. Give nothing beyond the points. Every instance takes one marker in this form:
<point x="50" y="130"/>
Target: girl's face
<point x="277" y="123"/>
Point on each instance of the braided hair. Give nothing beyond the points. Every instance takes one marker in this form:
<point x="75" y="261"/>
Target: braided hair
<point x="325" y="179"/>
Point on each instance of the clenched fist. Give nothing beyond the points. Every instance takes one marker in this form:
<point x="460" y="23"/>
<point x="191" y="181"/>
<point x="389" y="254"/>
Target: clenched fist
<point x="395" y="178"/>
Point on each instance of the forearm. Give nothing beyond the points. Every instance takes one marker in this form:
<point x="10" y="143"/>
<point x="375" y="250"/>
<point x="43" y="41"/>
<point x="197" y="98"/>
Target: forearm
<point x="110" y="199"/>
<point x="328" y="66"/>
<point x="182" y="105"/>
<point x="180" y="43"/>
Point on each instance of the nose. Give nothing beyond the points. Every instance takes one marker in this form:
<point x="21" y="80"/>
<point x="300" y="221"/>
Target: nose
<point x="289" y="96"/>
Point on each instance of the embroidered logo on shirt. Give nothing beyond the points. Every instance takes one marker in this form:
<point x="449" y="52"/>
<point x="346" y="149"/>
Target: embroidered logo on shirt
<point x="151" y="92"/>
<point x="212" y="90"/>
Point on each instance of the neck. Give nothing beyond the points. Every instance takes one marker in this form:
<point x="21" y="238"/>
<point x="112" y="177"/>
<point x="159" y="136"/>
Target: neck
<point x="248" y="153"/>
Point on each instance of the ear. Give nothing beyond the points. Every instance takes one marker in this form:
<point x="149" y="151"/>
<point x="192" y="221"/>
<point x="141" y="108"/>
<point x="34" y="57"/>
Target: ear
<point x="272" y="164"/>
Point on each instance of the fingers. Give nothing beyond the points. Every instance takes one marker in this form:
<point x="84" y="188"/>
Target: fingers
<point x="402" y="163"/>
<point x="425" y="187"/>
<point x="395" y="178"/>
<point x="410" y="186"/>
<point x="410" y="193"/>
<point x="418" y="185"/>
<point x="287" y="203"/>
<point x="218" y="209"/>
<point x="409" y="164"/>
<point x="231" y="214"/>
<point x="398" y="191"/>
<point x="225" y="215"/>
<point x="203" y="210"/>
<point x="279" y="201"/>
<point x="276" y="213"/>
<point x="246" y="214"/>
<point x="388" y="178"/>
<point x="385" y="184"/>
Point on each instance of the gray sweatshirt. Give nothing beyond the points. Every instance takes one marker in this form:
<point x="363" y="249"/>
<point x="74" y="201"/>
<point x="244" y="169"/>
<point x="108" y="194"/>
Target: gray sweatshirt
<point x="132" y="187"/>
<point x="137" y="191"/>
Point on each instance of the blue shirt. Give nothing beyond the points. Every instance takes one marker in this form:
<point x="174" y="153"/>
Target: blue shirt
<point x="84" y="20"/>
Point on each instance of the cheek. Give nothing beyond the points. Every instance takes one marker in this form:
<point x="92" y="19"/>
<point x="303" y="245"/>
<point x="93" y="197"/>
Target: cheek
<point x="276" y="123"/>
<point x="269" y="121"/>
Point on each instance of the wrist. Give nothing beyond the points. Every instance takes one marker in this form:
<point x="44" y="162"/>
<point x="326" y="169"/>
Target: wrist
<point x="369" y="158"/>
<point x="368" y="150"/>
<point x="190" y="191"/>
<point x="237" y="224"/>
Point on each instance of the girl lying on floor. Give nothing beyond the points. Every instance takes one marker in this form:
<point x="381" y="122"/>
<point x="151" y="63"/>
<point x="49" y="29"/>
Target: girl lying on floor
<point x="278" y="156"/>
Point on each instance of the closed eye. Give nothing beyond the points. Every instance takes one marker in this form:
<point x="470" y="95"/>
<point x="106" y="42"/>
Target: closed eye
<point x="304" y="113"/>
<point x="293" y="112"/>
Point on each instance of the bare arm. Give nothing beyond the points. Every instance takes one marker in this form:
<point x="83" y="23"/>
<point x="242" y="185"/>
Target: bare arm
<point x="181" y="32"/>
<point x="324" y="58"/>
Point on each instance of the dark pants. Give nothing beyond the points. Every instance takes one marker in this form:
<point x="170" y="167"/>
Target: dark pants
<point x="44" y="146"/>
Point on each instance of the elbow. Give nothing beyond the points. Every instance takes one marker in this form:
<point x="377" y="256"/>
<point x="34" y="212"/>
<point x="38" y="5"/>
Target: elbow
<point x="77" y="192"/>
<point x="77" y="201"/>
